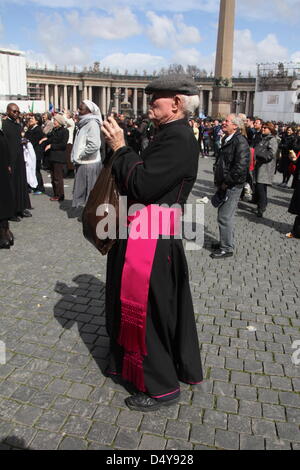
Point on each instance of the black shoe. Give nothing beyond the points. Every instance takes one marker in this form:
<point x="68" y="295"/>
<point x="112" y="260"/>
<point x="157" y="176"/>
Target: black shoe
<point x="259" y="214"/>
<point x="10" y="237"/>
<point x="215" y="246"/>
<point x="26" y="213"/>
<point x="221" y="254"/>
<point x="4" y="242"/>
<point x="15" y="219"/>
<point x="144" y="403"/>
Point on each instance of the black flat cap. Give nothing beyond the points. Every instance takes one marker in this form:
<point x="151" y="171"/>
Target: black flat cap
<point x="173" y="83"/>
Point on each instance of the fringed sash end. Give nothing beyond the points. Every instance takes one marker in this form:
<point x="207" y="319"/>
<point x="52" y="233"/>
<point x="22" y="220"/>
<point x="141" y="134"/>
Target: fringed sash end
<point x="133" y="327"/>
<point x="133" y="370"/>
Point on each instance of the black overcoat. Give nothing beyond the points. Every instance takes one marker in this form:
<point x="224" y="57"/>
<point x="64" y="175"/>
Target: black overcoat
<point x="34" y="136"/>
<point x="12" y="132"/>
<point x="6" y="196"/>
<point x="295" y="202"/>
<point x="58" y="139"/>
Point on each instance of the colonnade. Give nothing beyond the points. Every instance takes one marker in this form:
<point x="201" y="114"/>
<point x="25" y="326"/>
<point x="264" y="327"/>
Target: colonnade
<point x="69" y="97"/>
<point x="133" y="96"/>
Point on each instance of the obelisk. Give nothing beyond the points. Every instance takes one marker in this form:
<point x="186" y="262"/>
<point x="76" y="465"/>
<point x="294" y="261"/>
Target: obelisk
<point x="222" y="92"/>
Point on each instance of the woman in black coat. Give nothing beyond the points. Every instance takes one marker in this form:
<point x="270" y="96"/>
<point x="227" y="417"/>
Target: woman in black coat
<point x="295" y="202"/>
<point x="34" y="134"/>
<point x="287" y="144"/>
<point x="56" y="142"/>
<point x="6" y="196"/>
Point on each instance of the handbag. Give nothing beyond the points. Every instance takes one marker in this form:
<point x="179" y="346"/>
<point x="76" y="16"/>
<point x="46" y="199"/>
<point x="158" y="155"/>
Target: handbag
<point x="105" y="194"/>
<point x="219" y="198"/>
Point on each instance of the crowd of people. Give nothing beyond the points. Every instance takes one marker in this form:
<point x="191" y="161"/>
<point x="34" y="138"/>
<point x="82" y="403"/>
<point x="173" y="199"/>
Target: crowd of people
<point x="36" y="142"/>
<point x="156" y="164"/>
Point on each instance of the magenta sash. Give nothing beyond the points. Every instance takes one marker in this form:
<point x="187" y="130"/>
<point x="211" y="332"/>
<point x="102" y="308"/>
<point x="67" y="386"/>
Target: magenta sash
<point x="140" y="252"/>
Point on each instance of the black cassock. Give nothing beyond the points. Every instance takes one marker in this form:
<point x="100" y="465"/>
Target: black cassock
<point x="12" y="132"/>
<point x="164" y="174"/>
<point x="6" y="199"/>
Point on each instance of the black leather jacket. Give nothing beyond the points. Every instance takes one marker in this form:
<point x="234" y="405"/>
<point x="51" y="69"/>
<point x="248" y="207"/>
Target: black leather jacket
<point x="232" y="164"/>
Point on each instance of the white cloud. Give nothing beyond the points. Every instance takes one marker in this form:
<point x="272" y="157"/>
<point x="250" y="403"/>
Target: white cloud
<point x="170" y="33"/>
<point x="248" y="53"/>
<point x="52" y="37"/>
<point x="120" y="24"/>
<point x="157" y="5"/>
<point x="193" y="57"/>
<point x="295" y="57"/>
<point x="278" y="11"/>
<point x="132" y="62"/>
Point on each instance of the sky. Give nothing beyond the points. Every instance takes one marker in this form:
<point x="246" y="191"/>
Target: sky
<point x="147" y="35"/>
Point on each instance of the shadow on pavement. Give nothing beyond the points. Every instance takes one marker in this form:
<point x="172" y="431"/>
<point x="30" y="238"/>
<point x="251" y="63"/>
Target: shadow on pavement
<point x="84" y="305"/>
<point x="13" y="442"/>
<point x="251" y="216"/>
<point x="72" y="212"/>
<point x="203" y="188"/>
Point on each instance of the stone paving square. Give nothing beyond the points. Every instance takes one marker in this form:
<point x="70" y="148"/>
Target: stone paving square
<point x="53" y="394"/>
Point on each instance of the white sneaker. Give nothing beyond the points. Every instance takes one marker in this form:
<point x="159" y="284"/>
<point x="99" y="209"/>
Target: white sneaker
<point x="202" y="200"/>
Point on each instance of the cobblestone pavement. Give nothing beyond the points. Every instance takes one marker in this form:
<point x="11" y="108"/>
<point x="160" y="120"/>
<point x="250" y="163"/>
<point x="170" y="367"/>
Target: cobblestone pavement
<point x="53" y="394"/>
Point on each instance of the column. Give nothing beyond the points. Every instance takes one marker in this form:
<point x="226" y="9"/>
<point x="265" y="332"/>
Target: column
<point x="126" y="95"/>
<point x="209" y="102"/>
<point x="135" y="102"/>
<point x="61" y="97"/>
<point x="116" y="100"/>
<point x="74" y="104"/>
<point x="56" y="97"/>
<point x="85" y="93"/>
<point x="108" y="97"/>
<point x="145" y="106"/>
<point x="201" y="101"/>
<point x="90" y="93"/>
<point x="51" y="95"/>
<point x="103" y="100"/>
<point x="238" y="104"/>
<point x="247" y="103"/>
<point x="46" y="97"/>
<point x="66" y="97"/>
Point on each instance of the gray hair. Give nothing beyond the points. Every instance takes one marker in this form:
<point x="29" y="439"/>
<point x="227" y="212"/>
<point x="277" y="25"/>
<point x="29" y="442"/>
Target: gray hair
<point x="191" y="103"/>
<point x="237" y="120"/>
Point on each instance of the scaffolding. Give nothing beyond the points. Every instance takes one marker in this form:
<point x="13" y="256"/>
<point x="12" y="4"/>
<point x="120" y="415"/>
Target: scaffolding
<point x="279" y="70"/>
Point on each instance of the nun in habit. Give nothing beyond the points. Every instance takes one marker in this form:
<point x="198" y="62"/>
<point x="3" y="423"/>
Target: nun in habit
<point x="85" y="154"/>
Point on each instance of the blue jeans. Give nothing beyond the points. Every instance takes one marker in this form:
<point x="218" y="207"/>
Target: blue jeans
<point x="226" y="215"/>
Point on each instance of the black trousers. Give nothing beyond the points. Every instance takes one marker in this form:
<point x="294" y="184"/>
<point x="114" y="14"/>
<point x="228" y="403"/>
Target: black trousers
<point x="57" y="179"/>
<point x="296" y="228"/>
<point x="4" y="224"/>
<point x="261" y="194"/>
<point x="40" y="186"/>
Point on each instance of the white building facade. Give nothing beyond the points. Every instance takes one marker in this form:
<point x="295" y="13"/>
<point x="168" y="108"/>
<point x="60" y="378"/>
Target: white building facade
<point x="277" y="96"/>
<point x="13" y="82"/>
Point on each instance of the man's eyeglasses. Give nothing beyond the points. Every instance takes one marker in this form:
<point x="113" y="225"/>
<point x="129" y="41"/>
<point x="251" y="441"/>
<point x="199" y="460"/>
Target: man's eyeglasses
<point x="15" y="111"/>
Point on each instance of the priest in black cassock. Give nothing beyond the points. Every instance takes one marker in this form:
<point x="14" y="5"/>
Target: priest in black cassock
<point x="6" y="199"/>
<point x="12" y="131"/>
<point x="149" y="309"/>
